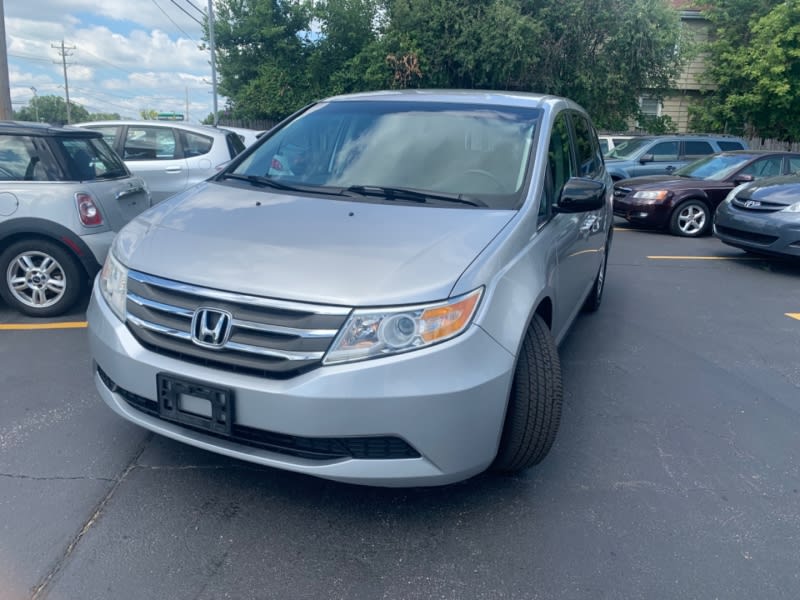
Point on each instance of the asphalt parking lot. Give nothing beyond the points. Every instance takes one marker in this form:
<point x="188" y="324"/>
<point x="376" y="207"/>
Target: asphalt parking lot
<point x="676" y="472"/>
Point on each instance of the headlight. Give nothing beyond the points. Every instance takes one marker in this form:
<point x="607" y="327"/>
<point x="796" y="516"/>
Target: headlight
<point x="792" y="208"/>
<point x="374" y="332"/>
<point x="652" y="195"/>
<point x="732" y="194"/>
<point x="114" y="285"/>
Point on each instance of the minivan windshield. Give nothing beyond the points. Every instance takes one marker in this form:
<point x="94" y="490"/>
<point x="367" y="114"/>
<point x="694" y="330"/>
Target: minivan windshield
<point x="471" y="155"/>
<point x="628" y="148"/>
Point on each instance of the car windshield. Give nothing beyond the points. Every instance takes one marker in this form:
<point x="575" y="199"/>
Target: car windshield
<point x="89" y="159"/>
<point x="716" y="167"/>
<point x="464" y="151"/>
<point x="628" y="148"/>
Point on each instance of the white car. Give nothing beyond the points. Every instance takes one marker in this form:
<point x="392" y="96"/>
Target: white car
<point x="171" y="157"/>
<point x="248" y="136"/>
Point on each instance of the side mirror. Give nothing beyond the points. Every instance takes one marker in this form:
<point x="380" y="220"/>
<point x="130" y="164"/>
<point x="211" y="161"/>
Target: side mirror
<point x="646" y="158"/>
<point x="744" y="179"/>
<point x="581" y="195"/>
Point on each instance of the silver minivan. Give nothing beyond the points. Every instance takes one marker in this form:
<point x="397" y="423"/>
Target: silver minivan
<point x="374" y="294"/>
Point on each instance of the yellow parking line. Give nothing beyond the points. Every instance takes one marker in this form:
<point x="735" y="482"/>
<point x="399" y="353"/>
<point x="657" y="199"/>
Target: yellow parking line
<point x="29" y="326"/>
<point x="793" y="316"/>
<point x="703" y="258"/>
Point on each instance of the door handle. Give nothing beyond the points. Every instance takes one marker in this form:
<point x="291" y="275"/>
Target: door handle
<point x="172" y="170"/>
<point x="669" y="169"/>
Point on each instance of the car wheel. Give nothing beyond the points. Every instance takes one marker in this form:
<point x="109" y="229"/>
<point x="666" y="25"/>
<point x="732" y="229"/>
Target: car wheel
<point x="40" y="278"/>
<point x="534" y="405"/>
<point x="595" y="297"/>
<point x="690" y="219"/>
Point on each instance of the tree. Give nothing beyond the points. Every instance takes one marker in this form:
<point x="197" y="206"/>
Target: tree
<point x="754" y="63"/>
<point x="275" y="56"/>
<point x="51" y="109"/>
<point x="148" y="114"/>
<point x="102" y="116"/>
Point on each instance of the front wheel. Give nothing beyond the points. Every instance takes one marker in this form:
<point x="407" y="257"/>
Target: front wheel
<point x="534" y="406"/>
<point x="39" y="278"/>
<point x="691" y="219"/>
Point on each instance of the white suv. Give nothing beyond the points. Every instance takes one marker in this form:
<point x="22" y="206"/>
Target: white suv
<point x="170" y="156"/>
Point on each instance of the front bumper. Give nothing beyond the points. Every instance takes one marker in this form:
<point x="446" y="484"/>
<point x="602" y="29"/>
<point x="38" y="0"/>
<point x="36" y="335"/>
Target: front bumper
<point x="447" y="402"/>
<point x="643" y="212"/>
<point x="770" y="233"/>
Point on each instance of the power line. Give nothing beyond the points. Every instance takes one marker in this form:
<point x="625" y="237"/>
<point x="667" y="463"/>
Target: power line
<point x="110" y="64"/>
<point x="28" y="57"/>
<point x="173" y="22"/>
<point x="194" y="6"/>
<point x="187" y="13"/>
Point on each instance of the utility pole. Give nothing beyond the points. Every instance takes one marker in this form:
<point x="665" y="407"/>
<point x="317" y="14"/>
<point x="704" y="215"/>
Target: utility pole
<point x="6" y="111"/>
<point x="186" y="112"/>
<point x="65" y="52"/>
<point x="213" y="57"/>
<point x="35" y="104"/>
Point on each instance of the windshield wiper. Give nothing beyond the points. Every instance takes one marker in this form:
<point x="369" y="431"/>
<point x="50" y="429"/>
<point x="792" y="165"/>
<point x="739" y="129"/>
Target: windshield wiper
<point x="421" y="196"/>
<point x="279" y="185"/>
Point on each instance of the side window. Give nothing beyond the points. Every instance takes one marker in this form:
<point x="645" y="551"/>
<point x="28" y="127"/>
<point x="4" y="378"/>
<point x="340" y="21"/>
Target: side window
<point x="195" y="144"/>
<point x="149" y="143"/>
<point x="764" y="167"/>
<point x="697" y="149"/>
<point x="559" y="166"/>
<point x="725" y="146"/>
<point x="664" y="151"/>
<point x="794" y="165"/>
<point x="587" y="152"/>
<point x="19" y="160"/>
<point x="110" y="133"/>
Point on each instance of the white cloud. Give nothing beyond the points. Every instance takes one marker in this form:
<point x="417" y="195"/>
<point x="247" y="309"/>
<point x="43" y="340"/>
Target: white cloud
<point x="125" y="55"/>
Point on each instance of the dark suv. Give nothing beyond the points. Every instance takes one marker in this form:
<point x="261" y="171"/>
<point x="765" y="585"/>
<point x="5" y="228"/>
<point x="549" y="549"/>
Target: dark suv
<point x="665" y="154"/>
<point x="63" y="196"/>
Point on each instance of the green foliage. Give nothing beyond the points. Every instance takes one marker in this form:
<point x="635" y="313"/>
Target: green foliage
<point x="275" y="56"/>
<point x="754" y="62"/>
<point x="51" y="109"/>
<point x="656" y="125"/>
<point x="102" y="116"/>
<point x="148" y="114"/>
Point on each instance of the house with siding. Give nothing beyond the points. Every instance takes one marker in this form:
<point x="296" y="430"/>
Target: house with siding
<point x="689" y="86"/>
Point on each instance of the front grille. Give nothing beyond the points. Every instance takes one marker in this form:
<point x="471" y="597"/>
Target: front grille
<point x="756" y="205"/>
<point x="268" y="337"/>
<point x="313" y="448"/>
<point x="749" y="236"/>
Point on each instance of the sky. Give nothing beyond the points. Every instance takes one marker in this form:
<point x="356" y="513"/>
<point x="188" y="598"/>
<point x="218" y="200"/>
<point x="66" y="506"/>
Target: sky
<point x="127" y="55"/>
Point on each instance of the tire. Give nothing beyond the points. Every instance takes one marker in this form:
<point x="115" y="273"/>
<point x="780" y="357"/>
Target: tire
<point x="690" y="219"/>
<point x="595" y="297"/>
<point x="40" y="278"/>
<point x="534" y="405"/>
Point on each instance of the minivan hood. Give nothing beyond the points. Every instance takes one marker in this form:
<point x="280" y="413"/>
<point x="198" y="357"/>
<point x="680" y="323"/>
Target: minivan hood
<point x="311" y="249"/>
<point x="776" y="190"/>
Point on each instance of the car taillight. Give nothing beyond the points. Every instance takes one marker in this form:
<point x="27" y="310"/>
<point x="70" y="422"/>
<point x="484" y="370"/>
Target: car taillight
<point x="89" y="212"/>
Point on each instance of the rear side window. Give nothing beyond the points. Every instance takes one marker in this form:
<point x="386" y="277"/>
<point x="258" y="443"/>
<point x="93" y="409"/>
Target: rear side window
<point x="590" y="160"/>
<point x="794" y="165"/>
<point x="725" y="146"/>
<point x="195" y="144"/>
<point x="90" y="159"/>
<point x="110" y="133"/>
<point x="697" y="149"/>
<point x="149" y="143"/>
<point x="19" y="160"/>
<point x="235" y="144"/>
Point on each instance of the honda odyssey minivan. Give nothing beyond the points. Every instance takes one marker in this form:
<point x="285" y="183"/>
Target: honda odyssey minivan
<point x="374" y="294"/>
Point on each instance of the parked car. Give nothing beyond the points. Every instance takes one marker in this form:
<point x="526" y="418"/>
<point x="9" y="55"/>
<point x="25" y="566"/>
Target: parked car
<point x="610" y="141"/>
<point x="169" y="156"/>
<point x="389" y="314"/>
<point x="665" y="154"/>
<point x="762" y="217"/>
<point x="685" y="201"/>
<point x="63" y="195"/>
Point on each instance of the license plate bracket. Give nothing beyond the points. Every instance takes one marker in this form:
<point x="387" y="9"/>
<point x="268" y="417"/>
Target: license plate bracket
<point x="183" y="401"/>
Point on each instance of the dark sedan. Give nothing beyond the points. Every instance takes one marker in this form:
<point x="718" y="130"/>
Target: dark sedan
<point x="762" y="217"/>
<point x="684" y="201"/>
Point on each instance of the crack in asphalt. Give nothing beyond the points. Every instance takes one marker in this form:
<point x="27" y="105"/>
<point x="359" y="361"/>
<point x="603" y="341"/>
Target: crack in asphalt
<point x="53" y="478"/>
<point x="40" y="589"/>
